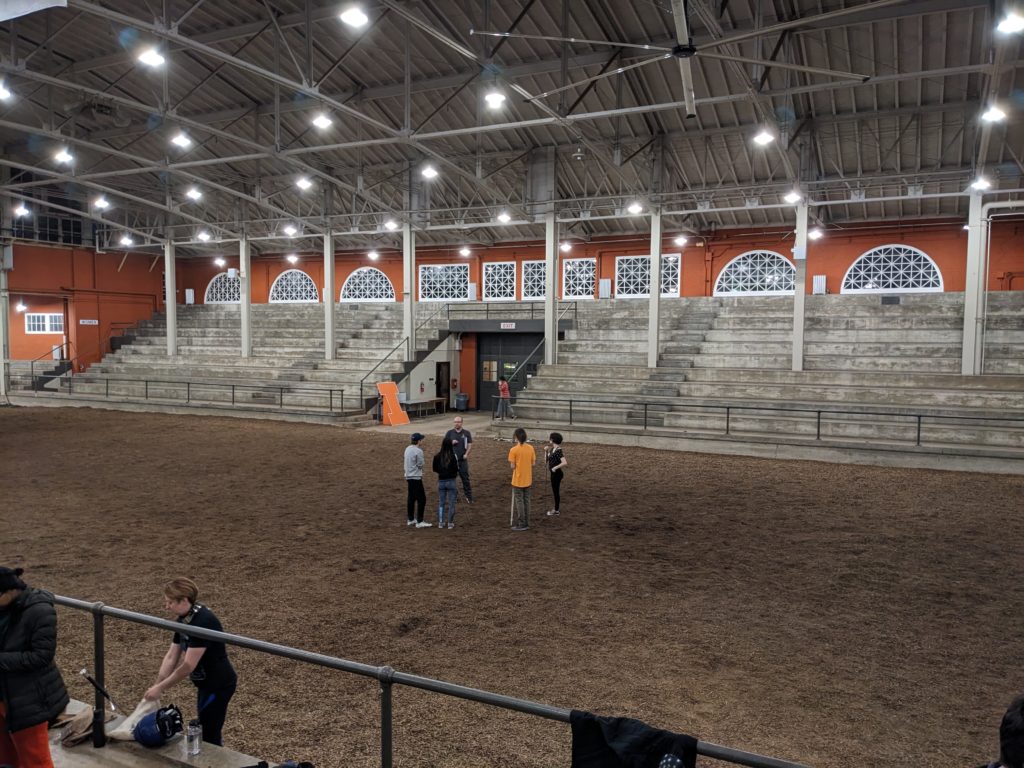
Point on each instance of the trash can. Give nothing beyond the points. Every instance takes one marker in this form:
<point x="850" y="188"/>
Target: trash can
<point x="462" y="402"/>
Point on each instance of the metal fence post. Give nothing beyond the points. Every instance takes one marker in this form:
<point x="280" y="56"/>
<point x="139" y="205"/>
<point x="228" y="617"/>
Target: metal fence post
<point x="232" y="394"/>
<point x="70" y="379"/>
<point x="280" y="392"/>
<point x="819" y="427"/>
<point x="330" y="399"/>
<point x="727" y="419"/>
<point x="188" y="391"/>
<point x="918" y="430"/>
<point x="108" y="386"/>
<point x="146" y="391"/>
<point x="570" y="410"/>
<point x="645" y="415"/>
<point x="99" y="736"/>
<point x="386" y="676"/>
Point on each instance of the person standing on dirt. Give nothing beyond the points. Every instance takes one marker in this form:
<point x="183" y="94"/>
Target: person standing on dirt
<point x="521" y="458"/>
<point x="1011" y="737"/>
<point x="204" y="662"/>
<point x="446" y="465"/>
<point x="555" y="459"/>
<point x="417" y="496"/>
<point x="462" y="442"/>
<point x="32" y="690"/>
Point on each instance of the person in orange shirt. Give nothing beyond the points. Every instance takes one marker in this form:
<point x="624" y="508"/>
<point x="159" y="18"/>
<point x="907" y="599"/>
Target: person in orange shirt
<point x="521" y="458"/>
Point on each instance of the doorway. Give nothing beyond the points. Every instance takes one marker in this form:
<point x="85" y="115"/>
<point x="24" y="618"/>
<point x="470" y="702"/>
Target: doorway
<point x="504" y="354"/>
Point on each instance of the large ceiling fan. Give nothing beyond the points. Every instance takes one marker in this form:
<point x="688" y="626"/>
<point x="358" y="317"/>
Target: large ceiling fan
<point x="684" y="50"/>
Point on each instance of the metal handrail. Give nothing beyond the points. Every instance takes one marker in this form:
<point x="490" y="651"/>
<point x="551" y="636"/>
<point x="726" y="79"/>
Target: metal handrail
<point x="541" y="343"/>
<point x="385" y="675"/>
<point x="378" y="365"/>
<point x="33" y="361"/>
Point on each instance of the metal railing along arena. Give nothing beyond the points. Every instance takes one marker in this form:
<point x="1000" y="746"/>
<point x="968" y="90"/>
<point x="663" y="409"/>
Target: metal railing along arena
<point x="385" y="676"/>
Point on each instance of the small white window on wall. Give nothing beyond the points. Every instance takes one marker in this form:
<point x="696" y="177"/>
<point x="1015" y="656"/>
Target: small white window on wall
<point x="44" y="322"/>
<point x="293" y="286"/>
<point x="500" y="281"/>
<point x="893" y="268"/>
<point x="534" y="273"/>
<point x="367" y="284"/>
<point x="579" y="278"/>
<point x="444" y="282"/>
<point x="223" y="289"/>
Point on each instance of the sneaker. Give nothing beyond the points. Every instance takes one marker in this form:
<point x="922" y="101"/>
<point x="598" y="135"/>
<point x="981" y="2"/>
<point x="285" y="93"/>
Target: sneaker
<point x="552" y="512"/>
<point x="423" y="524"/>
<point x="440" y="524"/>
<point x="451" y="525"/>
<point x="410" y="522"/>
<point x="520" y="528"/>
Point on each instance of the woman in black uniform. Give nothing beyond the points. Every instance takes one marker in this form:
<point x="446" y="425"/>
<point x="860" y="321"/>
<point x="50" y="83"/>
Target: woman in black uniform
<point x="204" y="662"/>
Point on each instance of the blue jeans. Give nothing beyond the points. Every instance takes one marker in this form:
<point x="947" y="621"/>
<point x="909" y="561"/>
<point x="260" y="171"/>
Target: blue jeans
<point x="446" y="498"/>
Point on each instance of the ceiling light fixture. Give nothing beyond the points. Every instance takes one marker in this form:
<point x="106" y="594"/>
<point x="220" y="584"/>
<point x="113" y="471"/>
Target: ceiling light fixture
<point x="182" y="141"/>
<point x="1013" y="22"/>
<point x="993" y="115"/>
<point x="21" y="210"/>
<point x="981" y="183"/>
<point x="100" y="204"/>
<point x="63" y="156"/>
<point x="504" y="217"/>
<point x="429" y="172"/>
<point x="680" y="240"/>
<point x="635" y="208"/>
<point x="219" y="262"/>
<point x="354" y="16"/>
<point x="815" y="234"/>
<point x="322" y="121"/>
<point x="151" y="57"/>
<point x="291" y="230"/>
<point x="20" y="307"/>
<point x="193" y="194"/>
<point x="494" y="99"/>
<point x="292" y="258"/>
<point x="304" y="183"/>
<point x="764" y="138"/>
<point x="793" y="197"/>
<point x="565" y="247"/>
<point x="126" y="239"/>
<point x="373" y="255"/>
<point x="390" y="225"/>
<point x="5" y="93"/>
<point x="203" y="235"/>
<point x="464" y="251"/>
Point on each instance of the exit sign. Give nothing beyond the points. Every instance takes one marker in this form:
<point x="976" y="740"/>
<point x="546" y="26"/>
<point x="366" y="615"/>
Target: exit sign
<point x="508" y="326"/>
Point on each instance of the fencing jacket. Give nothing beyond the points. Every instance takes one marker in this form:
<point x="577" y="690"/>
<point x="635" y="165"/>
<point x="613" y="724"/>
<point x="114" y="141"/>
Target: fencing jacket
<point x="621" y="742"/>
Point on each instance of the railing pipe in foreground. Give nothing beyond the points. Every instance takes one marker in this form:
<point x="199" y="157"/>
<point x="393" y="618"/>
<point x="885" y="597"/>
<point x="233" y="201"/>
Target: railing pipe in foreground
<point x="386" y="676"/>
<point x="99" y="714"/>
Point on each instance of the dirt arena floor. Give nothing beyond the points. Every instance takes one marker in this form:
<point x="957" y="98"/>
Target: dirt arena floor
<point x="833" y="615"/>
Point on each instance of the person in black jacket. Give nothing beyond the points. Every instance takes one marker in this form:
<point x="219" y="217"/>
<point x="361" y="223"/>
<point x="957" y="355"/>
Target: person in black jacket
<point x="1011" y="737"/>
<point x="31" y="687"/>
<point x="204" y="662"/>
<point x="446" y="465"/>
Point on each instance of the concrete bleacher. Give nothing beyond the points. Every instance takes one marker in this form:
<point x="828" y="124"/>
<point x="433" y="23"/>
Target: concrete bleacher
<point x="881" y="362"/>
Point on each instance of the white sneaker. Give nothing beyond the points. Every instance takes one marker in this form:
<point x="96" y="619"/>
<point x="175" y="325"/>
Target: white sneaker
<point x="410" y="522"/>
<point x="552" y="512"/>
<point x="440" y="524"/>
<point x="423" y="524"/>
<point x="451" y="525"/>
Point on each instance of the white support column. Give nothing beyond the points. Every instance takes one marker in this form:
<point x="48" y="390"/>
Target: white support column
<point x="245" y="294"/>
<point x="329" y="343"/>
<point x="6" y="260"/>
<point x="170" y="299"/>
<point x="409" y="289"/>
<point x="550" y="289"/>
<point x="799" y="286"/>
<point x="974" y="290"/>
<point x="654" y="302"/>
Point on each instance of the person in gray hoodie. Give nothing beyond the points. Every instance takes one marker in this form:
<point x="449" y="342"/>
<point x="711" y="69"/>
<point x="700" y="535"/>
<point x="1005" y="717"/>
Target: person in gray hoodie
<point x="31" y="688"/>
<point x="416" y="499"/>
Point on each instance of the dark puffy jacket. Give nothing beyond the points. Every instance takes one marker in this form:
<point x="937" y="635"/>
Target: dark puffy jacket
<point x="30" y="683"/>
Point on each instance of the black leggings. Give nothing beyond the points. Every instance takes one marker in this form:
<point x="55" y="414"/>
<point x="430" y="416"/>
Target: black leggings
<point x="416" y="499"/>
<point x="556" y="488"/>
<point x="212" y="704"/>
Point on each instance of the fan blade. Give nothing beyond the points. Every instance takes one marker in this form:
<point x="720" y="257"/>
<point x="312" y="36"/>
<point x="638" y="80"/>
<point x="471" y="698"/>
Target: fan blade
<point x="784" y="65"/>
<point x="569" y="40"/>
<point x="800" y="22"/>
<point x="610" y="73"/>
<point x="685" y="65"/>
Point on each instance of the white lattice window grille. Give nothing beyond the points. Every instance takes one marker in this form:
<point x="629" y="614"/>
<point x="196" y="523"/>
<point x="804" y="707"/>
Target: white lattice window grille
<point x="579" y="278"/>
<point x="44" y="322"/>
<point x="534" y="274"/>
<point x="500" y="281"/>
<point x="444" y="282"/>
<point x="889" y="268"/>
<point x="756" y="273"/>
<point x="633" y="276"/>
<point x="367" y="284"/>
<point x="293" y="286"/>
<point x="224" y="290"/>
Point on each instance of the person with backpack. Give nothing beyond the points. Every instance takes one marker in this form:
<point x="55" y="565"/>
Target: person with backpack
<point x="32" y="690"/>
<point x="555" y="459"/>
<point x="446" y="465"/>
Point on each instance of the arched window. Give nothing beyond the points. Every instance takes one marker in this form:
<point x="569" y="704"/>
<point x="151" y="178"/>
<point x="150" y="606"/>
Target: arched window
<point x="293" y="286"/>
<point x="223" y="290"/>
<point x="756" y="273"/>
<point x="367" y="284"/>
<point x="889" y="268"/>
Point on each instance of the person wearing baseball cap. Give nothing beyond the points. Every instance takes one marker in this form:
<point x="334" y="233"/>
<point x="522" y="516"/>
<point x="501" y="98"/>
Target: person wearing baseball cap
<point x="32" y="690"/>
<point x="417" y="496"/>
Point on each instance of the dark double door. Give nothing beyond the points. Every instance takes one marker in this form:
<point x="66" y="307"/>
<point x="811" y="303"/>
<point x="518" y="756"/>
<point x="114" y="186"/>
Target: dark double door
<point x="501" y="354"/>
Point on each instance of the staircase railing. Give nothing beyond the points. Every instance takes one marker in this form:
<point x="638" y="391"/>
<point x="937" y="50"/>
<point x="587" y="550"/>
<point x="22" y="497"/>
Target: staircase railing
<point x="529" y="357"/>
<point x="67" y="345"/>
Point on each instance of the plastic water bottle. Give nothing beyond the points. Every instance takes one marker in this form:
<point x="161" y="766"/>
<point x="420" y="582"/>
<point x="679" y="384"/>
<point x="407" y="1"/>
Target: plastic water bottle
<point x="193" y="738"/>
